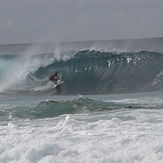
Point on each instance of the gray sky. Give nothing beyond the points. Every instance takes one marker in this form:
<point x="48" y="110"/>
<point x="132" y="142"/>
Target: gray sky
<point x="26" y="21"/>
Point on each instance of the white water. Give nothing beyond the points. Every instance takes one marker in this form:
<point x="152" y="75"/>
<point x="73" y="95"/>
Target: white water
<point x="123" y="135"/>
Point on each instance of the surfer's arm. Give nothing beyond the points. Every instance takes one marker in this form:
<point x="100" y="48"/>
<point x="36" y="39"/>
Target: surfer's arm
<point x="58" y="77"/>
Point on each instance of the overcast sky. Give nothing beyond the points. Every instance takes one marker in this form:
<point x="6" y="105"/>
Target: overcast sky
<point x="26" y="21"/>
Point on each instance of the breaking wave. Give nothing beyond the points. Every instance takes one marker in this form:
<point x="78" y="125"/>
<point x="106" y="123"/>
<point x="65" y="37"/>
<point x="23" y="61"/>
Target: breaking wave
<point x="86" y="71"/>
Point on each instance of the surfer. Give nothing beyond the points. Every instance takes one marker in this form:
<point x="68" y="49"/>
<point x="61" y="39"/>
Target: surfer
<point x="54" y="78"/>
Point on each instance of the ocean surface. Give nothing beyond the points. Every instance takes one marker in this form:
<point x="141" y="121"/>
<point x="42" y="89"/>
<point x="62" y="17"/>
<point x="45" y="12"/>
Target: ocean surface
<point x="109" y="109"/>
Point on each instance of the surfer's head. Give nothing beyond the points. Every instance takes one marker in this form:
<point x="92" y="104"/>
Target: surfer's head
<point x="56" y="72"/>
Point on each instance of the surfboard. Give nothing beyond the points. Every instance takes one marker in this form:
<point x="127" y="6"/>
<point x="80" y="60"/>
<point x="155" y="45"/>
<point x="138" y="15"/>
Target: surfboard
<point x="58" y="87"/>
<point x="60" y="83"/>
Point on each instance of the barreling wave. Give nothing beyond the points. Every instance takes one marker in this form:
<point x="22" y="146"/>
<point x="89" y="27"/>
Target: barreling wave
<point x="87" y="71"/>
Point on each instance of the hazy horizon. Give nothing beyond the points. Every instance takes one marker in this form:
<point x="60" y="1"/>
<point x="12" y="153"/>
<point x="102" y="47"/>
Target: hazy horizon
<point x="36" y="21"/>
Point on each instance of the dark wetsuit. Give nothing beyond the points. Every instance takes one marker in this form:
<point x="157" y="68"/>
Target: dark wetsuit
<point x="54" y="78"/>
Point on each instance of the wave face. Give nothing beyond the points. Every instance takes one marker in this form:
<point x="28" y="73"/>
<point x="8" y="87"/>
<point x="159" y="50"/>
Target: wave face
<point x="87" y="71"/>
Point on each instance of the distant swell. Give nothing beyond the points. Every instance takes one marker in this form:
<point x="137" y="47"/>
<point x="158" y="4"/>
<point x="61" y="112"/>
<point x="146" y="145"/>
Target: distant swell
<point x="50" y="109"/>
<point x="84" y="72"/>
